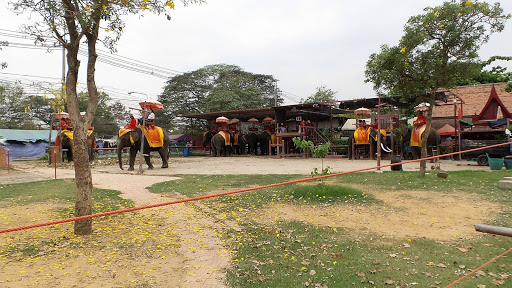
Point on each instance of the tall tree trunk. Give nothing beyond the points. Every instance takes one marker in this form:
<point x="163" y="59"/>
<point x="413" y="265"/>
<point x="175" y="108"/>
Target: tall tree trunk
<point x="83" y="175"/>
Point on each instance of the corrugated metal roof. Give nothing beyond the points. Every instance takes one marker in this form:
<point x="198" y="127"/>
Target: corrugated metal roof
<point x="26" y="135"/>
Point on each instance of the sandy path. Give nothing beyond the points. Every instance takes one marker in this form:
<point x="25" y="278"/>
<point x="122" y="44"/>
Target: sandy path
<point x="203" y="255"/>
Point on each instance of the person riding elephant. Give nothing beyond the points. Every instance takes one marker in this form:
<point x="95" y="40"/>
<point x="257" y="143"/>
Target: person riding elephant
<point x="221" y="144"/>
<point x="156" y="139"/>
<point x="367" y="134"/>
<point x="413" y="140"/>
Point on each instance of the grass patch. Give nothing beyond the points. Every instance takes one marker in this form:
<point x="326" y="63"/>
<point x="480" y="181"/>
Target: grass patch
<point x="323" y="193"/>
<point x="296" y="254"/>
<point x="197" y="185"/>
<point x="40" y="191"/>
<point x="62" y="190"/>
<point x="475" y="182"/>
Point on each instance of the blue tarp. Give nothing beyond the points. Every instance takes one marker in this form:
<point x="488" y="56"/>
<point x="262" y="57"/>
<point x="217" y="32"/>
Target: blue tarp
<point x="25" y="144"/>
<point x="27" y="135"/>
<point x="497" y="123"/>
<point x="24" y="150"/>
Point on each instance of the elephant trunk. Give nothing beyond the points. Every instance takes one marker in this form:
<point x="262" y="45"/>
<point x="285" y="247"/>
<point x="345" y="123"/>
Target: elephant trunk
<point x="119" y="151"/>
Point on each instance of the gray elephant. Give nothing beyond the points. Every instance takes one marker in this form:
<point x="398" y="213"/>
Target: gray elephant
<point x="252" y="139"/>
<point x="66" y="140"/>
<point x="238" y="143"/>
<point x="433" y="140"/>
<point x="373" y="140"/>
<point x="265" y="138"/>
<point x="131" y="138"/>
<point x="221" y="144"/>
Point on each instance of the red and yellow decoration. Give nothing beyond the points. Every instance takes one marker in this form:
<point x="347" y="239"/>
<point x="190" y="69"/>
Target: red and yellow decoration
<point x="155" y="136"/>
<point x="362" y="135"/>
<point x="125" y="130"/>
<point x="273" y="137"/>
<point x="416" y="135"/>
<point x="227" y="139"/>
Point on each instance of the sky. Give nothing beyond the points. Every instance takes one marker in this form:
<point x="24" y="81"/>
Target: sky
<point x="303" y="44"/>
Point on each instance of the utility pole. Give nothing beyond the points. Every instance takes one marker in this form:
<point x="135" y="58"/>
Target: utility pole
<point x="276" y="92"/>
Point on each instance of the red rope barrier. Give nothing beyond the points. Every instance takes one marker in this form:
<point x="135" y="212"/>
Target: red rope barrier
<point x="482" y="266"/>
<point x="232" y="192"/>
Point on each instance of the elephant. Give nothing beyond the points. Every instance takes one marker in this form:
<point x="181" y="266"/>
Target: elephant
<point x="252" y="139"/>
<point x="218" y="144"/>
<point x="238" y="143"/>
<point x="207" y="138"/>
<point x="433" y="140"/>
<point x="132" y="138"/>
<point x="66" y="139"/>
<point x="373" y="140"/>
<point x="265" y="139"/>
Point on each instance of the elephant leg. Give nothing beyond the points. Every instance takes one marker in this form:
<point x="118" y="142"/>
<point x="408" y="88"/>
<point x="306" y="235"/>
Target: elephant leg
<point x="133" y="155"/>
<point x="69" y="154"/>
<point x="148" y="159"/>
<point x="163" y="155"/>
<point x="416" y="151"/>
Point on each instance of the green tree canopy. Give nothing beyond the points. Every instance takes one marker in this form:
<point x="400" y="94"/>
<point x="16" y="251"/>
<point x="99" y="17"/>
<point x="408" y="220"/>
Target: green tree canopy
<point x="212" y="88"/>
<point x="495" y="74"/>
<point x="322" y="94"/>
<point x="438" y="49"/>
<point x="110" y="115"/>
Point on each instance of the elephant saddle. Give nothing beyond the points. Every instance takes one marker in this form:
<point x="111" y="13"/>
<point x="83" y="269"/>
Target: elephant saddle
<point x="68" y="133"/>
<point x="273" y="138"/>
<point x="362" y="136"/>
<point x="226" y="137"/>
<point x="155" y="136"/>
<point x="124" y="130"/>
<point x="236" y="136"/>
<point x="416" y="135"/>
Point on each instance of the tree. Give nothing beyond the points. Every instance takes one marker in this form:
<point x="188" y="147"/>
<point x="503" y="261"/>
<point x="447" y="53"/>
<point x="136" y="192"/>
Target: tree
<point x="438" y="48"/>
<point x="496" y="74"/>
<point x="322" y="94"/>
<point x="218" y="87"/>
<point x="110" y="115"/>
<point x="11" y="106"/>
<point x="72" y="23"/>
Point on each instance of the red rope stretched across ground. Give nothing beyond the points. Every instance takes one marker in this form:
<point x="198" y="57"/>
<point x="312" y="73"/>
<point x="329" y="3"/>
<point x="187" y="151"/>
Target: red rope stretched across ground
<point x="232" y="192"/>
<point x="482" y="266"/>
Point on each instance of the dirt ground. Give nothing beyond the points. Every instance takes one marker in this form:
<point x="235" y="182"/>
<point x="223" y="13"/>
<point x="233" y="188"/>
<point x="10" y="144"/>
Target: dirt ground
<point x="200" y="258"/>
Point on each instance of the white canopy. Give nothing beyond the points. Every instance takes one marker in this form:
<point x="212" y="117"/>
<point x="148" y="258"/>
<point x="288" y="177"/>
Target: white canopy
<point x="351" y="124"/>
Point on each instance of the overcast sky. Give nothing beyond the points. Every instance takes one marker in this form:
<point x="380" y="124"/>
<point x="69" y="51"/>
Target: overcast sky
<point x="303" y="44"/>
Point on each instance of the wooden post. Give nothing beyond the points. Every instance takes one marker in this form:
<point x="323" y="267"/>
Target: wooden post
<point x="54" y="150"/>
<point x="3" y="158"/>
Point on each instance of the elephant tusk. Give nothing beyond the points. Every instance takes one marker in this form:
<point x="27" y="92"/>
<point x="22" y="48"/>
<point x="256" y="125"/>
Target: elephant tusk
<point x="387" y="150"/>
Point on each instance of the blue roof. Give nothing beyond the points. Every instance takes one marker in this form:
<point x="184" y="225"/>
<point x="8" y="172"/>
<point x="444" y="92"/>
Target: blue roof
<point x="26" y="135"/>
